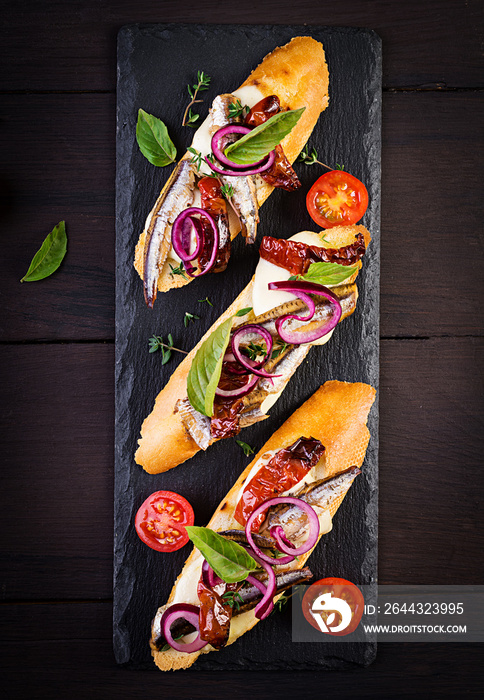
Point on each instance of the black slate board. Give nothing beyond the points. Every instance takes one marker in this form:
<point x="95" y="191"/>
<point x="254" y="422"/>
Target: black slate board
<point x="155" y="63"/>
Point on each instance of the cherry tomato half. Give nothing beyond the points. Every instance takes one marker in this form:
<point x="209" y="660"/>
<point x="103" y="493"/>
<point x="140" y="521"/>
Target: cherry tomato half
<point x="338" y="588"/>
<point x="337" y="199"/>
<point x="161" y="519"/>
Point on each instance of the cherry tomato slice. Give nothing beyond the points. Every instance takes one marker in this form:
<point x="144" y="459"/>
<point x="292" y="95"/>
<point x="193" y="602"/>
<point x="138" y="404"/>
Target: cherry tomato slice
<point x="161" y="519"/>
<point x="338" y="588"/>
<point x="337" y="199"/>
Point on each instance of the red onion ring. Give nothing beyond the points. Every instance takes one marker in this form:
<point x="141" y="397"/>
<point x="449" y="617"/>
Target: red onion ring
<point x="233" y="366"/>
<point x="189" y="613"/>
<point x="178" y="235"/>
<point x="217" y="150"/>
<point x="301" y="290"/>
<point x="244" y="361"/>
<point x="234" y="173"/>
<point x="209" y="576"/>
<point x="264" y="607"/>
<point x="293" y="552"/>
<point x="240" y="391"/>
<point x="280" y="536"/>
<point x="188" y="225"/>
<point x="262" y="610"/>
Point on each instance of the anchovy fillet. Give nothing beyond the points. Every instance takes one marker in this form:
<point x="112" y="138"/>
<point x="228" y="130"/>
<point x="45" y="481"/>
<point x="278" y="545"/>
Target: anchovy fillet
<point x="320" y="495"/>
<point x="196" y="424"/>
<point x="240" y="536"/>
<point x="244" y="198"/>
<point x="249" y="594"/>
<point x="177" y="196"/>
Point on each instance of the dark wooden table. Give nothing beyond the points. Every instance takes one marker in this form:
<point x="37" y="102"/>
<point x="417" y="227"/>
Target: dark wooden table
<point x="58" y="145"/>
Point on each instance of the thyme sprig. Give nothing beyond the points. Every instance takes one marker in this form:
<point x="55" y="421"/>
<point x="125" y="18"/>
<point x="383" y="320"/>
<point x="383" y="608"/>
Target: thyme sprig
<point x="278" y="350"/>
<point x="196" y="158"/>
<point x="310" y="158"/>
<point x="233" y="598"/>
<point x="189" y="317"/>
<point x="178" y="271"/>
<point x="201" y="301"/>
<point x="203" y="81"/>
<point x="156" y="342"/>
<point x="280" y="604"/>
<point x="253" y="350"/>
<point x="227" y="191"/>
<point x="238" y="110"/>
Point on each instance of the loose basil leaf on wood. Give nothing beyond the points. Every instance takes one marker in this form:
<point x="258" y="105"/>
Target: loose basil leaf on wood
<point x="328" y="273"/>
<point x="153" y="140"/>
<point x="204" y="374"/>
<point x="49" y="256"/>
<point x="264" y="138"/>
<point x="228" y="559"/>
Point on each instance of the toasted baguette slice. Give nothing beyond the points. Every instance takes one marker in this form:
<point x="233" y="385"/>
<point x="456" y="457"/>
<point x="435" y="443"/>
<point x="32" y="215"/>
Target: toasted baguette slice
<point x="336" y="415"/>
<point x="164" y="442"/>
<point x="298" y="74"/>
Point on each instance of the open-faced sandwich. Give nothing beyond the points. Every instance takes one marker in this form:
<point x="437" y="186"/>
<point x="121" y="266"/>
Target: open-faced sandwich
<point x="239" y="154"/>
<point x="303" y="287"/>
<point x="258" y="541"/>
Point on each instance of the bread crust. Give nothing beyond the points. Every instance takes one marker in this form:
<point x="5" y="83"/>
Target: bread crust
<point x="164" y="442"/>
<point x="336" y="414"/>
<point x="298" y="74"/>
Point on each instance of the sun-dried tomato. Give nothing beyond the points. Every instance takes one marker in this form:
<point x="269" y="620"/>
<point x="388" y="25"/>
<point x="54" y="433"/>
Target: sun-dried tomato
<point x="214" y="203"/>
<point x="297" y="257"/>
<point x="215" y="612"/>
<point x="281" y="174"/>
<point x="286" y="468"/>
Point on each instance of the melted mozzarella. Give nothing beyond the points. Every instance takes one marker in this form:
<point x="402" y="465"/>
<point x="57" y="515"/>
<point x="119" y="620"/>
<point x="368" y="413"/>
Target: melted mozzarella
<point x="186" y="586"/>
<point x="270" y="400"/>
<point x="249" y="95"/>
<point x="264" y="300"/>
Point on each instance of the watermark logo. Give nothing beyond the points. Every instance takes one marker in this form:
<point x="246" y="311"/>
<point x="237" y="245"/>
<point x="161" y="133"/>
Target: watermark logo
<point x="333" y="606"/>
<point x="326" y="602"/>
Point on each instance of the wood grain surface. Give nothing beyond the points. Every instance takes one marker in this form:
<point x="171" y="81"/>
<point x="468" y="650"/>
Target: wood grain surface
<point x="57" y="131"/>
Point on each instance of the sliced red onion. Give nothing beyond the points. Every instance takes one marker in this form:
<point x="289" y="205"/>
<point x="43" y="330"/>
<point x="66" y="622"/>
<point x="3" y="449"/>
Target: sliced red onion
<point x="280" y="536"/>
<point x="244" y="361"/>
<point x="264" y="607"/>
<point x="301" y="290"/>
<point x="240" y="391"/>
<point x="188" y="612"/>
<point x="239" y="173"/>
<point x="191" y="224"/>
<point x="233" y="366"/>
<point x="209" y="576"/>
<point x="292" y="552"/>
<point x="179" y="237"/>
<point x="217" y="150"/>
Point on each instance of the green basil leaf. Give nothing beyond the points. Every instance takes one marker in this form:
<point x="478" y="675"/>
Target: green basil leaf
<point x="328" y="273"/>
<point x="153" y="140"/>
<point x="243" y="312"/>
<point x="49" y="256"/>
<point x="264" y="138"/>
<point x="204" y="374"/>
<point x="228" y="559"/>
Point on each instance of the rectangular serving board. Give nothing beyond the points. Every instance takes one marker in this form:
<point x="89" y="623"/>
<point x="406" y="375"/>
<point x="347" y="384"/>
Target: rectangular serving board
<point x="155" y="64"/>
